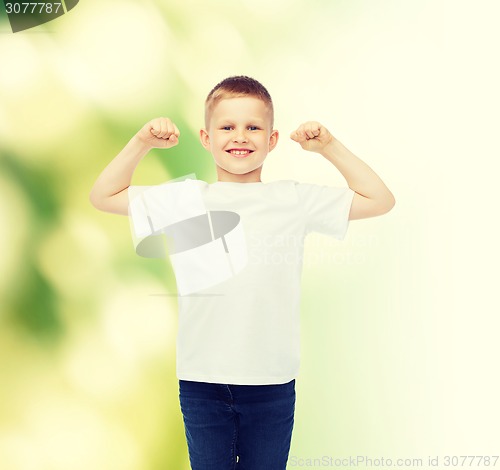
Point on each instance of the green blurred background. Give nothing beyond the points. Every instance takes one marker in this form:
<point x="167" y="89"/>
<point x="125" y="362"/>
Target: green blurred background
<point x="399" y="321"/>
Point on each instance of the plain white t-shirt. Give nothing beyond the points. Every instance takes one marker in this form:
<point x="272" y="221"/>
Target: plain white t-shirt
<point x="240" y="271"/>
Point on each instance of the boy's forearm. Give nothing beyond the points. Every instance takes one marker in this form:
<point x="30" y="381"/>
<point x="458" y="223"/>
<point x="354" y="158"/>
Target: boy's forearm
<point x="359" y="176"/>
<point x="118" y="174"/>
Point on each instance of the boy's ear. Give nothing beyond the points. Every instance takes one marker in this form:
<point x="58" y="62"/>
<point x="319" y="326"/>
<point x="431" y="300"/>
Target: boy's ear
<point x="205" y="139"/>
<point x="273" y="140"/>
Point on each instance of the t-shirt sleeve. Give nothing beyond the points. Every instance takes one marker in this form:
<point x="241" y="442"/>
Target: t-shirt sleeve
<point x="153" y="209"/>
<point x="137" y="211"/>
<point x="325" y="209"/>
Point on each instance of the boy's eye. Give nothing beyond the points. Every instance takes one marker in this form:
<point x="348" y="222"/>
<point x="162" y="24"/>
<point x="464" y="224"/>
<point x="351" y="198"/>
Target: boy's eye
<point x="250" y="128"/>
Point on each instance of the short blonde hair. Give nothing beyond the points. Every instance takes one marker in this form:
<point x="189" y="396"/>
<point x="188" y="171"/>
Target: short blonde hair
<point x="236" y="87"/>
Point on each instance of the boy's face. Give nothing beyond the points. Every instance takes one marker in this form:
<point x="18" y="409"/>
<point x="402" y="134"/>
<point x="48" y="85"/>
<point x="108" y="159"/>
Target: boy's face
<point x="239" y="137"/>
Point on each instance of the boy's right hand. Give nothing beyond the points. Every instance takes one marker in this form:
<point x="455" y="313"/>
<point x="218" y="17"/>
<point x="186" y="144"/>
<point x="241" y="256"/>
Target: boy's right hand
<point x="159" y="133"/>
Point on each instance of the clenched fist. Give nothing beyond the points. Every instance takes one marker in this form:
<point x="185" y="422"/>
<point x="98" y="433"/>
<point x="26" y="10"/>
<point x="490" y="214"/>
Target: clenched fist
<point x="159" y="133"/>
<point x="312" y="136"/>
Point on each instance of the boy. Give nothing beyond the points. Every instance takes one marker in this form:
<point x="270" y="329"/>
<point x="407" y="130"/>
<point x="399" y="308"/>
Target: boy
<point x="238" y="338"/>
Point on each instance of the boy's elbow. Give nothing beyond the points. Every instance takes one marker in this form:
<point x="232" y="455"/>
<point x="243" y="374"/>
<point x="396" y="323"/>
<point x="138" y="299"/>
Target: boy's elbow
<point x="94" y="200"/>
<point x="97" y="202"/>
<point x="384" y="206"/>
<point x="389" y="203"/>
<point x="116" y="204"/>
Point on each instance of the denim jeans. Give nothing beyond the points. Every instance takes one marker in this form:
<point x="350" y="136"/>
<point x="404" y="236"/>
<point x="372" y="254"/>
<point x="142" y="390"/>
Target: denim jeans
<point x="242" y="427"/>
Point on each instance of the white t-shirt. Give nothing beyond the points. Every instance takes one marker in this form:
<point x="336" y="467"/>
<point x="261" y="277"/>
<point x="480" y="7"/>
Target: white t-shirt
<point x="237" y="251"/>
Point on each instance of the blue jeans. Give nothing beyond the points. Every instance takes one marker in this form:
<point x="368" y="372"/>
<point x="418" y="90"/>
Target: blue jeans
<point x="243" y="427"/>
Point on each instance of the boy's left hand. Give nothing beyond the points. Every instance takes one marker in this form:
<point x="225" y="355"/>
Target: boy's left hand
<point x="312" y="136"/>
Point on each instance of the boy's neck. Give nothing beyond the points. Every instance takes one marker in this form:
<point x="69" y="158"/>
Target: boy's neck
<point x="226" y="177"/>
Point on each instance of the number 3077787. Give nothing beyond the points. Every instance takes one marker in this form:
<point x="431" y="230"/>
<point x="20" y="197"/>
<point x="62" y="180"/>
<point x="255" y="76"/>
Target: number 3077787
<point x="32" y="8"/>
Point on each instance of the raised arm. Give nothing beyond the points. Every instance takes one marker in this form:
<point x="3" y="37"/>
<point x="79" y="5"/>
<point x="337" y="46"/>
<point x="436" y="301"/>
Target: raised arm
<point x="372" y="196"/>
<point x="109" y="193"/>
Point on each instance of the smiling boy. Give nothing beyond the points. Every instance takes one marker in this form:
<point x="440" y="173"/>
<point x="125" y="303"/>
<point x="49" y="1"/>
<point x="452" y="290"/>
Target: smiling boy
<point x="238" y="338"/>
<point x="241" y="127"/>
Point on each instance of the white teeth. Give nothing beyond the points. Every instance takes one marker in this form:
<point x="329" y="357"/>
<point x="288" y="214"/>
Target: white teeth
<point x="240" y="152"/>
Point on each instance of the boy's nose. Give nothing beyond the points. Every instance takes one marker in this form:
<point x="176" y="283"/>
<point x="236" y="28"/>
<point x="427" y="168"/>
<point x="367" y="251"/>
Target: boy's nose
<point x="239" y="136"/>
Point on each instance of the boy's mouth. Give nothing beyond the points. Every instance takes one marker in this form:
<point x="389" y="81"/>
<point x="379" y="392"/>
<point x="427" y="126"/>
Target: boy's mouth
<point x="239" y="153"/>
